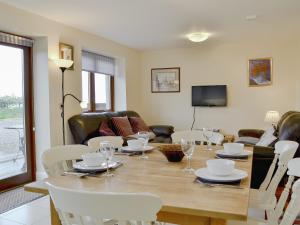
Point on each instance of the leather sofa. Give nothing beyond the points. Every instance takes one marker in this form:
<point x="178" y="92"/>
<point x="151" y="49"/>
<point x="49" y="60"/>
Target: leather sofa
<point x="86" y="126"/>
<point x="288" y="128"/>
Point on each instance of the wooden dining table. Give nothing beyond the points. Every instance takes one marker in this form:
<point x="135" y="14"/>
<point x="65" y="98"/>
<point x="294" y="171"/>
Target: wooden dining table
<point x="184" y="201"/>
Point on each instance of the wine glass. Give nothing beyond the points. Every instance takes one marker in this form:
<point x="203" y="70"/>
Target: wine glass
<point x="143" y="136"/>
<point x="107" y="149"/>
<point x="188" y="147"/>
<point x="208" y="133"/>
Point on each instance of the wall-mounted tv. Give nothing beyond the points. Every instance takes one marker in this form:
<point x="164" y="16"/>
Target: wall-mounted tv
<point x="210" y="95"/>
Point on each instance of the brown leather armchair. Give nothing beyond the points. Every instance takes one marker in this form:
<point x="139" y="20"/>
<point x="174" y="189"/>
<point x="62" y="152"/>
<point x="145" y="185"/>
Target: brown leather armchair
<point x="288" y="128"/>
<point x="86" y="126"/>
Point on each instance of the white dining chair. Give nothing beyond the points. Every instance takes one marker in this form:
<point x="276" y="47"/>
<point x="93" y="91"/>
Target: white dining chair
<point x="57" y="159"/>
<point x="293" y="172"/>
<point x="264" y="199"/>
<point x="117" y="141"/>
<point x="82" y="207"/>
<point x="276" y="217"/>
<point x="197" y="135"/>
<point x="217" y="138"/>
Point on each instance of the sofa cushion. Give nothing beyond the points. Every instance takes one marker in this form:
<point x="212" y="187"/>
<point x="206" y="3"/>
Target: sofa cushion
<point x="105" y="130"/>
<point x="122" y="126"/>
<point x="138" y="124"/>
<point x="247" y="140"/>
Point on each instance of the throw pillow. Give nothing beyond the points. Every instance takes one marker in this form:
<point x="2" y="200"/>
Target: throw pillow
<point x="138" y="124"/>
<point x="105" y="130"/>
<point x="267" y="138"/>
<point x="122" y="126"/>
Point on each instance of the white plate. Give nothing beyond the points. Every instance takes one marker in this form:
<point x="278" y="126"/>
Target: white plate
<point x="129" y="149"/>
<point x="83" y="167"/>
<point x="243" y="153"/>
<point x="235" y="176"/>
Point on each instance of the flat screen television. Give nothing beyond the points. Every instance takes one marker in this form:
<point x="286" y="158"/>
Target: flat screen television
<point x="210" y="95"/>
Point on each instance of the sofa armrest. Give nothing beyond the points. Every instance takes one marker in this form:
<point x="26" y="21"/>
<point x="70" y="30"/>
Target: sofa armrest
<point x="257" y="133"/>
<point x="263" y="152"/>
<point x="262" y="160"/>
<point x="162" y="130"/>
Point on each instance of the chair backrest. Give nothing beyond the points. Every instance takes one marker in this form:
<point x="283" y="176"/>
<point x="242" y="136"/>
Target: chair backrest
<point x="285" y="151"/>
<point x="293" y="208"/>
<point x="291" y="212"/>
<point x="99" y="206"/>
<point x="197" y="135"/>
<point x="217" y="138"/>
<point x="293" y="171"/>
<point x="55" y="159"/>
<point x="94" y="143"/>
<point x="186" y="134"/>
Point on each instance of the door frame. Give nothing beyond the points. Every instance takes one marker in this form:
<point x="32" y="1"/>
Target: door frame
<point x="30" y="175"/>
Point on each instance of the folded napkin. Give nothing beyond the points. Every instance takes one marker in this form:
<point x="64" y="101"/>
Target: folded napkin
<point x="218" y="182"/>
<point x="133" y="152"/>
<point x="232" y="156"/>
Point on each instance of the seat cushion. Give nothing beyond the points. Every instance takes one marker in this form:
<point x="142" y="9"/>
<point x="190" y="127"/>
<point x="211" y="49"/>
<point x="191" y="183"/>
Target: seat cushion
<point x="122" y="126"/>
<point x="138" y="124"/>
<point x="105" y="130"/>
<point x="247" y="140"/>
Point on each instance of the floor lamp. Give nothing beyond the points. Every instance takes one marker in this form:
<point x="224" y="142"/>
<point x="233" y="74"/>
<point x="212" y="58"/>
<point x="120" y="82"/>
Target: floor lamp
<point x="64" y="64"/>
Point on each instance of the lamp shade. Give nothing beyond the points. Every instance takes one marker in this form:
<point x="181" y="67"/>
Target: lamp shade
<point x="272" y="117"/>
<point x="83" y="105"/>
<point x="63" y="63"/>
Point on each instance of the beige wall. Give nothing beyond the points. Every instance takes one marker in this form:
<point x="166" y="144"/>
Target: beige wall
<point x="222" y="63"/>
<point x="209" y="63"/>
<point x="47" y="84"/>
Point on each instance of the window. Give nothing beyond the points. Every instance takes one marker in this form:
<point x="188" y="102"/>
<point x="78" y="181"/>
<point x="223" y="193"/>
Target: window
<point x="16" y="111"/>
<point x="97" y="81"/>
<point x="97" y="91"/>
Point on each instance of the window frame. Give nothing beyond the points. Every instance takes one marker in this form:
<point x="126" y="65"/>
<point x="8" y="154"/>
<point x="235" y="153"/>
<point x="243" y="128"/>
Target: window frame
<point x="91" y="84"/>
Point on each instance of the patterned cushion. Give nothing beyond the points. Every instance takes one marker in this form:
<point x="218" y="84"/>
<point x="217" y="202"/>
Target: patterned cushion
<point x="138" y="124"/>
<point x="105" y="130"/>
<point x="122" y="126"/>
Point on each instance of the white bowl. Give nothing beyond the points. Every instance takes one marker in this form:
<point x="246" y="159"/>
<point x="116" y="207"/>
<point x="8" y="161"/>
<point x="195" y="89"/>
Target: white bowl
<point x="233" y="148"/>
<point x="93" y="159"/>
<point x="135" y="144"/>
<point x="220" y="167"/>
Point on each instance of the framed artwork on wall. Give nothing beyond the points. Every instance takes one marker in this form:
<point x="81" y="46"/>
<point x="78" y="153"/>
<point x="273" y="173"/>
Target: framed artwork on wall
<point x="165" y="80"/>
<point x="260" y="72"/>
<point x="66" y="51"/>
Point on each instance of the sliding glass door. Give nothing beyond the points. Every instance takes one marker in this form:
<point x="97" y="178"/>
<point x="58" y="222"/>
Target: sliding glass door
<point x="16" y="124"/>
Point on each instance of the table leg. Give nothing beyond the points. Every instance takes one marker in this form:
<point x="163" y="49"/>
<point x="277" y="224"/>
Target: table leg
<point x="54" y="216"/>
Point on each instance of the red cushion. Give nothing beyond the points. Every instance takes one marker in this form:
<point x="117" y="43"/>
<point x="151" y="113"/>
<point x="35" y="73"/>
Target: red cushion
<point x="105" y="130"/>
<point x="122" y="126"/>
<point x="138" y="124"/>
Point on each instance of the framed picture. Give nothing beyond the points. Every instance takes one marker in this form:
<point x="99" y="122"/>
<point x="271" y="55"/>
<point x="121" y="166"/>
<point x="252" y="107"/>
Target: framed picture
<point x="66" y="52"/>
<point x="260" y="72"/>
<point x="165" y="80"/>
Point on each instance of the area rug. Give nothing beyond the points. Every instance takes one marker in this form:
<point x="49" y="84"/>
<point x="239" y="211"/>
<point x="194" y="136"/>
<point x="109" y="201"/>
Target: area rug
<point x="14" y="198"/>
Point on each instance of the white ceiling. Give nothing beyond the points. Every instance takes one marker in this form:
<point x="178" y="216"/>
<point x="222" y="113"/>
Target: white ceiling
<point x="154" y="24"/>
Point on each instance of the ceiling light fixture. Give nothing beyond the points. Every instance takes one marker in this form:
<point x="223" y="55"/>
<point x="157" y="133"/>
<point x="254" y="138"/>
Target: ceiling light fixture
<point x="198" y="36"/>
<point x="251" y="17"/>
